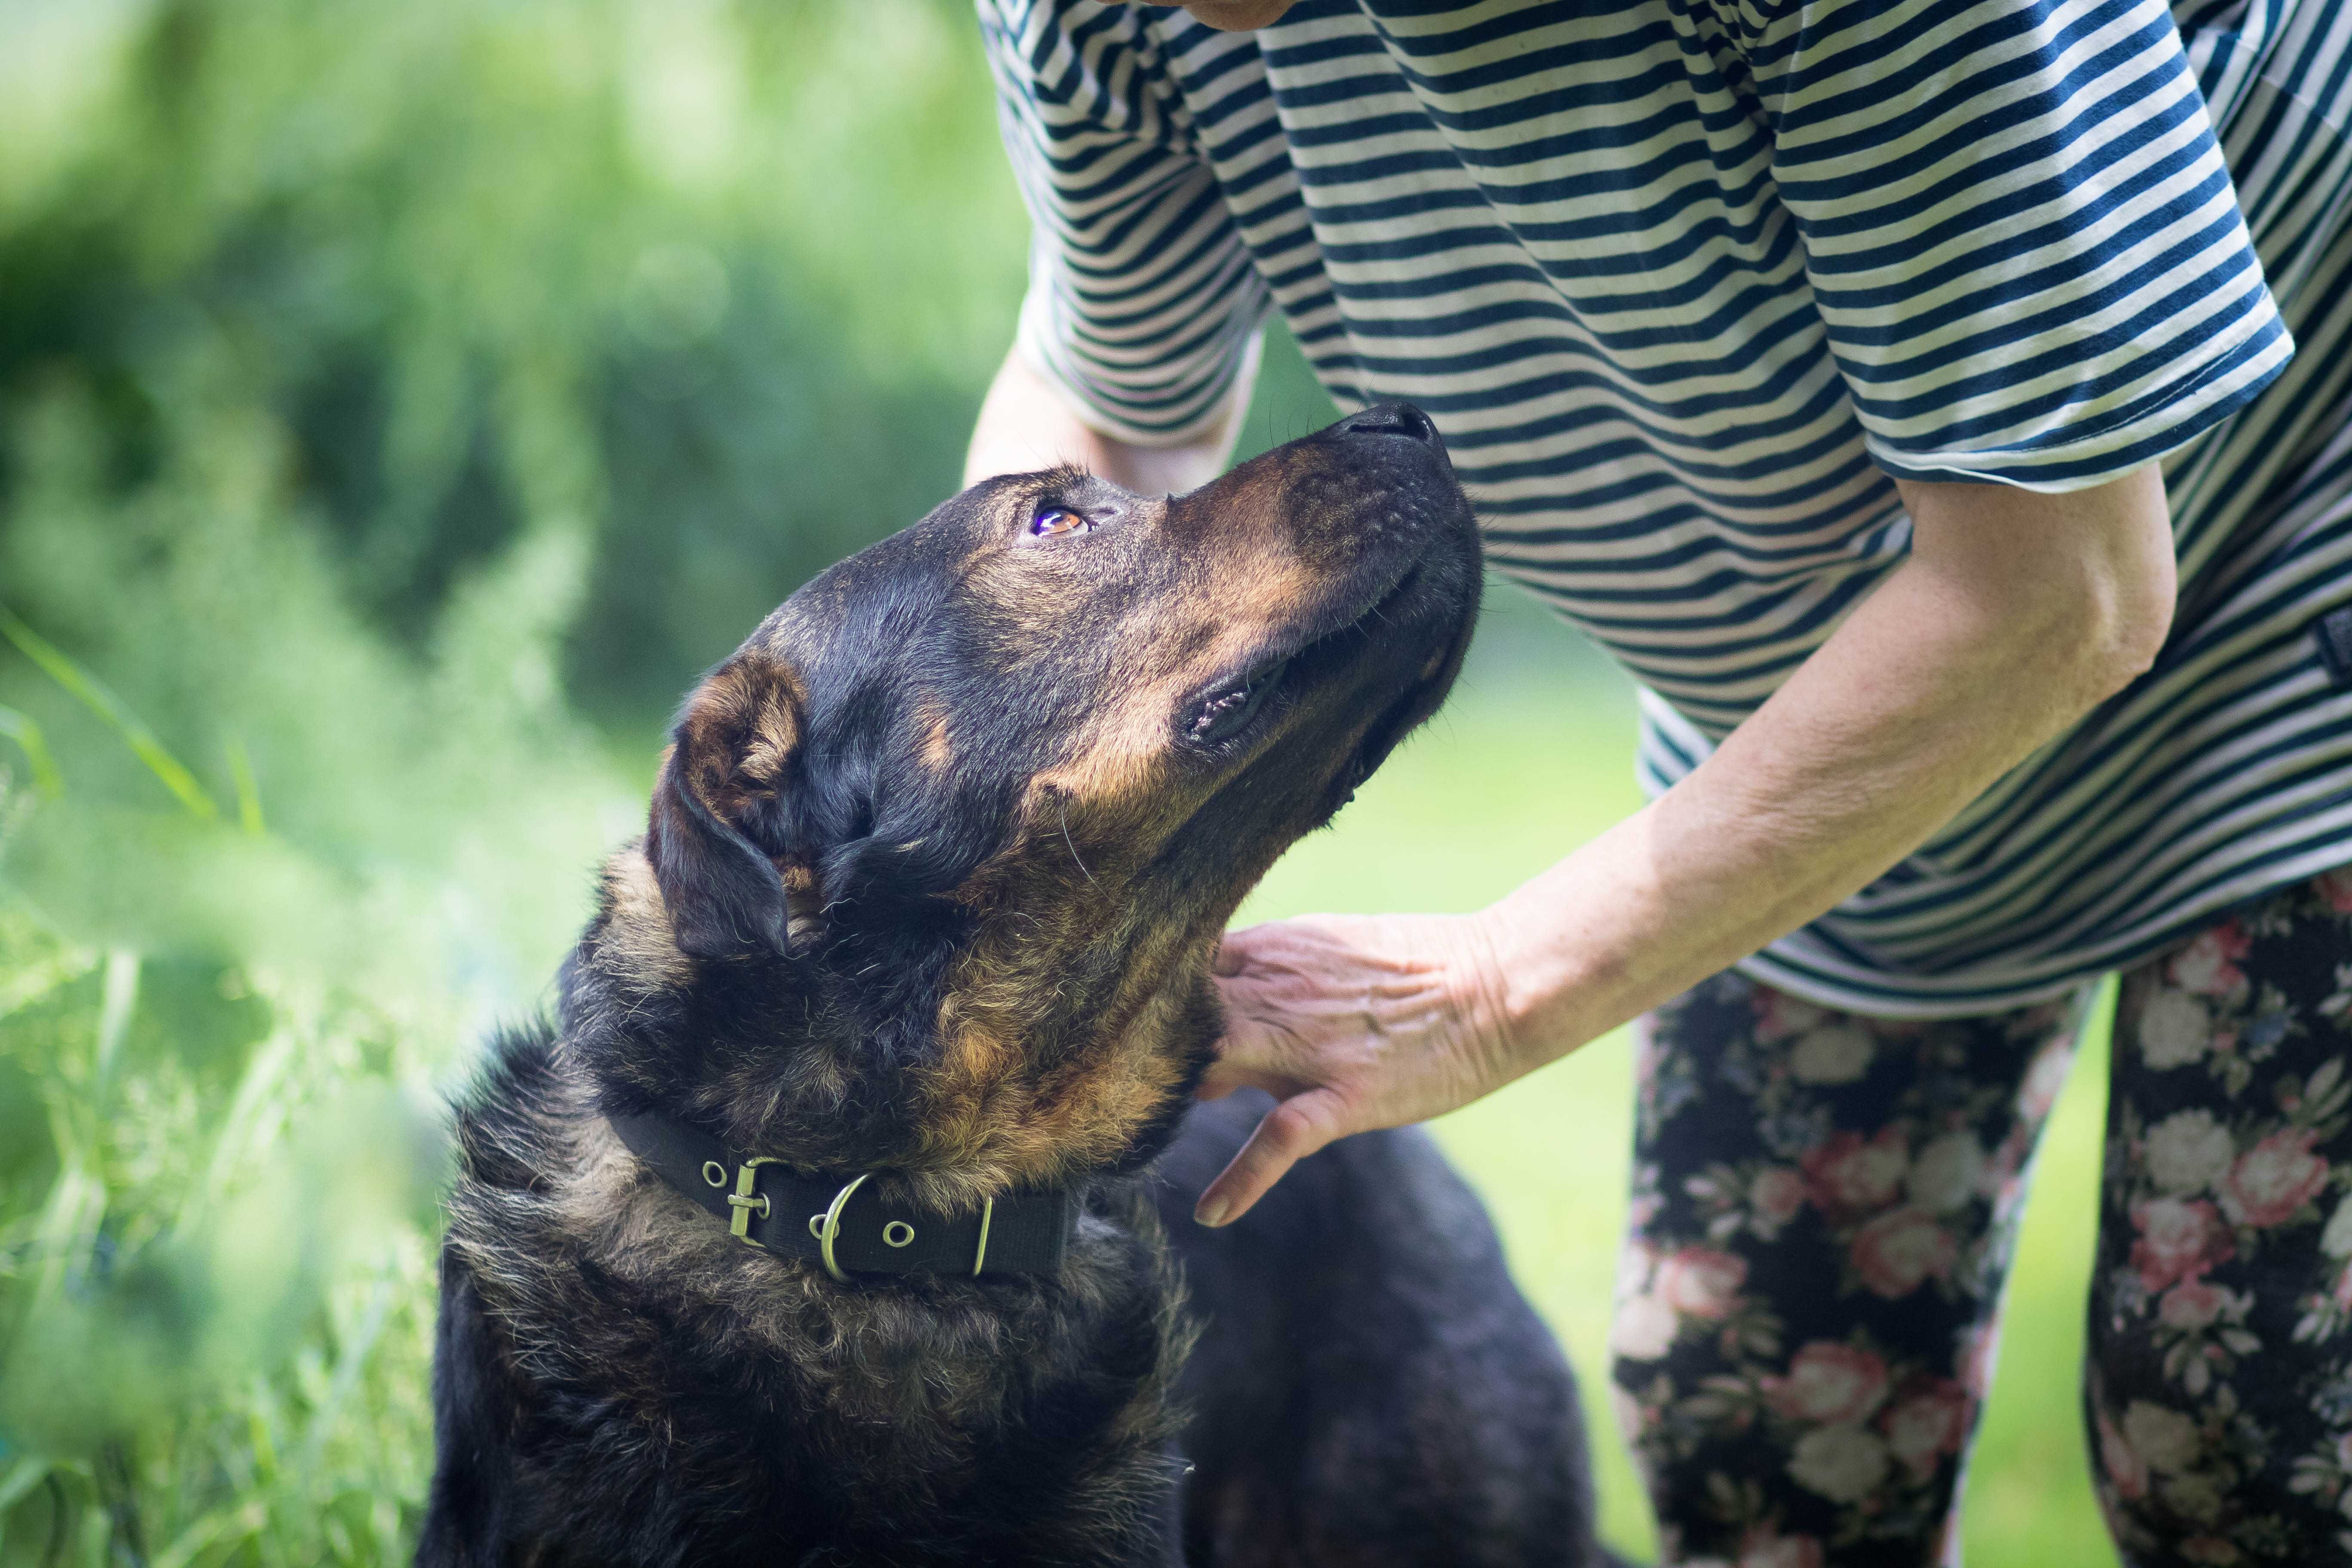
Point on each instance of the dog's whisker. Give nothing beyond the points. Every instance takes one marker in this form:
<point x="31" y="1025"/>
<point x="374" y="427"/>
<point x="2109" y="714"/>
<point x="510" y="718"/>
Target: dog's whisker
<point x="1063" y="801"/>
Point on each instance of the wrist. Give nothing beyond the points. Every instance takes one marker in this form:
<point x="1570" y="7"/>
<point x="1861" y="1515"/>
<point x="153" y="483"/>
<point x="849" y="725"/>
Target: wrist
<point x="1513" y="978"/>
<point x="1579" y="947"/>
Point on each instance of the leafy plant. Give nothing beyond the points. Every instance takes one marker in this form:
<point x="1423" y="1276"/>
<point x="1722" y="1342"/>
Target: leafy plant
<point x="379" y="388"/>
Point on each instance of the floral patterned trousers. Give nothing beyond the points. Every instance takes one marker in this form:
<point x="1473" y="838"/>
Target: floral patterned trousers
<point x="1824" y="1209"/>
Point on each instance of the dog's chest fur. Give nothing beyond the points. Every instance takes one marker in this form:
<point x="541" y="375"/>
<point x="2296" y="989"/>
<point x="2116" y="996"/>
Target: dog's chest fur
<point x="659" y="1382"/>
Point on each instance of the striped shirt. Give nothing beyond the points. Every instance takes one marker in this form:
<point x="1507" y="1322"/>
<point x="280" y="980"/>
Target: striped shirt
<point x="1684" y="282"/>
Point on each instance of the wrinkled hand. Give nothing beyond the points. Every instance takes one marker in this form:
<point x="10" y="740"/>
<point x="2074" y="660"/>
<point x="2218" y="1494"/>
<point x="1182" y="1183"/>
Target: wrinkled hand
<point x="1352" y="1022"/>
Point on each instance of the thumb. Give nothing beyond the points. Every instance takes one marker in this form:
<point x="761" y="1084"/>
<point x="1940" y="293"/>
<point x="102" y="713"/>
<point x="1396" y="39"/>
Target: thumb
<point x="1289" y="1133"/>
<point x="1224" y="1077"/>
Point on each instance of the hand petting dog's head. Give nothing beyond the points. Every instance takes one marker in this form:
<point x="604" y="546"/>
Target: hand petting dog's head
<point x="937" y="858"/>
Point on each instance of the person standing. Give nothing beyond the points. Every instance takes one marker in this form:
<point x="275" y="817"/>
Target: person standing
<point x="1908" y="395"/>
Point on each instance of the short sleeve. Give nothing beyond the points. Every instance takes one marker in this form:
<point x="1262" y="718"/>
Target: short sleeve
<point x="1143" y="304"/>
<point x="2018" y="230"/>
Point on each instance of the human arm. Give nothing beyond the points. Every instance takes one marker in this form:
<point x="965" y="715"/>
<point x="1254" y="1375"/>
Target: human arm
<point x="2015" y="614"/>
<point x="1027" y="422"/>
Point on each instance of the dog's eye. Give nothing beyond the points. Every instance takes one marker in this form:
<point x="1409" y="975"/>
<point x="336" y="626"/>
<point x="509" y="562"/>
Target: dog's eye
<point x="1054" y="520"/>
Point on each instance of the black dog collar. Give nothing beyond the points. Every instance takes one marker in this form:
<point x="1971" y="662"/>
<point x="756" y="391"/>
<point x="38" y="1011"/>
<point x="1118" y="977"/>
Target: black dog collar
<point x="840" y="1223"/>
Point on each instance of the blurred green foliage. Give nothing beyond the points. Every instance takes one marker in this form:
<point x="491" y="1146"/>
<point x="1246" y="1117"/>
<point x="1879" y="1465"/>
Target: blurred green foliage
<point x="398" y="405"/>
<point x="708" y="286"/>
<point x="382" y="392"/>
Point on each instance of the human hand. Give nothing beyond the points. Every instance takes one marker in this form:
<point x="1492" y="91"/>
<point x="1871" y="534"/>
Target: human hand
<point x="1352" y="1022"/>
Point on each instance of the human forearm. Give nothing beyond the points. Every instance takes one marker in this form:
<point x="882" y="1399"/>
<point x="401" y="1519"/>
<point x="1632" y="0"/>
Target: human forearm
<point x="2015" y="615"/>
<point x="1026" y="424"/>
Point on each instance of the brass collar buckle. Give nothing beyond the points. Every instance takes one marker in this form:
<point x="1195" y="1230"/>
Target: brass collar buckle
<point x="747" y="1200"/>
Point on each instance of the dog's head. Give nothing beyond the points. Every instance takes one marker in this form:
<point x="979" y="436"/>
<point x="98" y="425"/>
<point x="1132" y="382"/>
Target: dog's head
<point x="938" y="857"/>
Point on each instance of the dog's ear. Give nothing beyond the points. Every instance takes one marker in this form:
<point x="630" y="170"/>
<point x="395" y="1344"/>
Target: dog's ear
<point x="722" y="807"/>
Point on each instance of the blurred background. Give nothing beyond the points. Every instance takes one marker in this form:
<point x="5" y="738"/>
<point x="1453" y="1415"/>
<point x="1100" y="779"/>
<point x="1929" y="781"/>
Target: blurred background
<point x="399" y="405"/>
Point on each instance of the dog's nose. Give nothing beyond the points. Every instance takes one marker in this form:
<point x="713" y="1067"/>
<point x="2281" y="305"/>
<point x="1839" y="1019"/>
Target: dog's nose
<point x="1392" y="419"/>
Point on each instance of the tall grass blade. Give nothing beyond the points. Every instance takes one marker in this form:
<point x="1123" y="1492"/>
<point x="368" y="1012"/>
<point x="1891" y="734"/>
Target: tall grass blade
<point x="94" y="695"/>
<point x="351" y="1363"/>
<point x="47" y="783"/>
<point x="208" y="1530"/>
<point x="248" y="794"/>
<point x="253" y="1116"/>
<point x="31" y="971"/>
<point x="21" y="1477"/>
<point x="118" y="1000"/>
<point x="17" y="1484"/>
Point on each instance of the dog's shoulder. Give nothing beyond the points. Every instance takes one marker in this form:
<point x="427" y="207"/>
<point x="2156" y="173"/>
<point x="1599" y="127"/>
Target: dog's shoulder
<point x="505" y="1117"/>
<point x="549" y="1203"/>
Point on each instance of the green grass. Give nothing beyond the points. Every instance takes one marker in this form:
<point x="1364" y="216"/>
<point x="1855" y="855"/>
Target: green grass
<point x="1533" y="759"/>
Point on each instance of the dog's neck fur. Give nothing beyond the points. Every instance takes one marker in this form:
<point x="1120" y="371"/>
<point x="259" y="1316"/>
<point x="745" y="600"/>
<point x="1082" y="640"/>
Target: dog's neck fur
<point x="988" y="1061"/>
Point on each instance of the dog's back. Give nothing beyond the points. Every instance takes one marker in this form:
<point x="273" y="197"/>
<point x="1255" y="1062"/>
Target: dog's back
<point x="1368" y="1385"/>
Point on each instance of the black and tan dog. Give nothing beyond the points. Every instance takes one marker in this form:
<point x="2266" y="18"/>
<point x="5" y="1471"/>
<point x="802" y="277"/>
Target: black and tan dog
<point x="907" y="986"/>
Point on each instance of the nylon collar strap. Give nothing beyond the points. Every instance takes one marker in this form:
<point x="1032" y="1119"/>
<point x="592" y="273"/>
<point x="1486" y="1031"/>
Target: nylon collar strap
<point x="840" y="1223"/>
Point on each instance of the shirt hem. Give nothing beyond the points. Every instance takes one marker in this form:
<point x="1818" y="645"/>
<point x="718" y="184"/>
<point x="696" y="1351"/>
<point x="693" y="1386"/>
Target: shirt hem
<point x="1895" y="995"/>
<point x="2123" y="450"/>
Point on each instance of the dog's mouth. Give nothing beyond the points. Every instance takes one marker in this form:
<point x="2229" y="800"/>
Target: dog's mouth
<point x="1417" y="702"/>
<point x="1229" y="711"/>
<point x="1223" y="712"/>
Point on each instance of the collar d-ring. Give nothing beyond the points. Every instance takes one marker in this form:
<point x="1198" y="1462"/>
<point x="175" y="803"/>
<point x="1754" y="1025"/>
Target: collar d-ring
<point x="831" y="1226"/>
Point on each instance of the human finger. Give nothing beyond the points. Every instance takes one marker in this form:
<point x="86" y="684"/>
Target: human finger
<point x="1284" y="1135"/>
<point x="1224" y="1077"/>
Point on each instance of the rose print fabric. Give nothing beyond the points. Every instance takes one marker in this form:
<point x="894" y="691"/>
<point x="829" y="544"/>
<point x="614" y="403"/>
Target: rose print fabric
<point x="2219" y="1388"/>
<point x="1824" y="1211"/>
